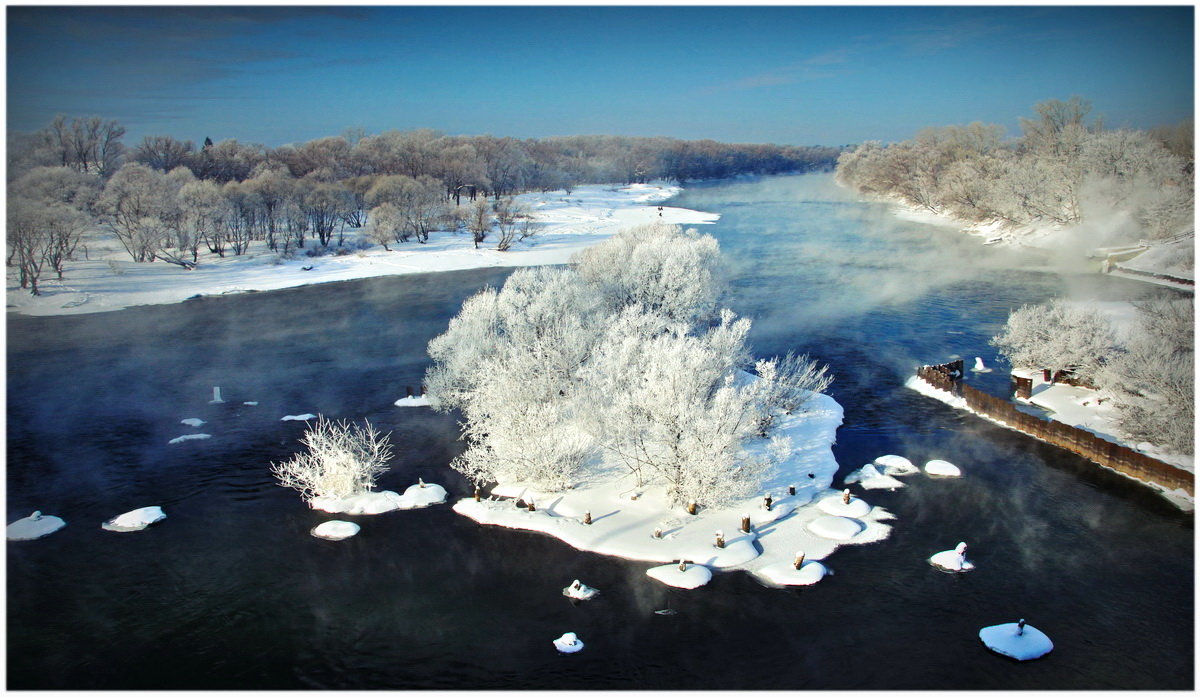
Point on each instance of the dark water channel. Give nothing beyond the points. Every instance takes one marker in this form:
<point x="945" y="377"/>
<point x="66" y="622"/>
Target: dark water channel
<point x="231" y="591"/>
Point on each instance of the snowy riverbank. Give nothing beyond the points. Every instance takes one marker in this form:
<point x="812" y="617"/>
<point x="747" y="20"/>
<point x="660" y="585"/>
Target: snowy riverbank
<point x="1068" y="245"/>
<point x="565" y="223"/>
<point x="624" y="516"/>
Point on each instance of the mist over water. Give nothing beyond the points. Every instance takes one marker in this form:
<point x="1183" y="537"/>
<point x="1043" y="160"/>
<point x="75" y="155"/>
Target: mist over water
<point x="230" y="591"/>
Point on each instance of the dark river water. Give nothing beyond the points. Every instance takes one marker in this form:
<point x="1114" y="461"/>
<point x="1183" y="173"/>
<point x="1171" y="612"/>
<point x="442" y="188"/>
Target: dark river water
<point x="230" y="591"/>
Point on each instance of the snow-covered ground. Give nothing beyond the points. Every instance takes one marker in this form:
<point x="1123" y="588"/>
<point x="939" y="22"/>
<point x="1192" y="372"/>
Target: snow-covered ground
<point x="565" y="223"/>
<point x="625" y="516"/>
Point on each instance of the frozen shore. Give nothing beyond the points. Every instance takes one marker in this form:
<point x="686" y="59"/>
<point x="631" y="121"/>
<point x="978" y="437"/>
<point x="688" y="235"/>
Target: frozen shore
<point x="565" y="223"/>
<point x="624" y="516"/>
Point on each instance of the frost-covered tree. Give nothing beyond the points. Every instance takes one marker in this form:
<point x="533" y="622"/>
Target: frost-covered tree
<point x="1056" y="335"/>
<point x="663" y="268"/>
<point x="341" y="459"/>
<point x="1152" y="377"/>
<point x="786" y="384"/>
<point x="41" y="235"/>
<point x="138" y="201"/>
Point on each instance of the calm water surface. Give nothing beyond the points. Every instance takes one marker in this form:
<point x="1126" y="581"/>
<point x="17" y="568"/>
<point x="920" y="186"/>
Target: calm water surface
<point x="231" y="591"/>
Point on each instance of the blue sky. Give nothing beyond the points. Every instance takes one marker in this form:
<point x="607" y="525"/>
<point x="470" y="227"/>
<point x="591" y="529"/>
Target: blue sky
<point x="795" y="75"/>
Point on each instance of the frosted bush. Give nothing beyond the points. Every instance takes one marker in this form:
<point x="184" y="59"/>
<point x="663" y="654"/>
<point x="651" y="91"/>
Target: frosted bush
<point x="343" y="459"/>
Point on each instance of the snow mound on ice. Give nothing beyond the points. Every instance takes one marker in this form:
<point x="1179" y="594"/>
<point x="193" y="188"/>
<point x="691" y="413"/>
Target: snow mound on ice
<point x="335" y="530"/>
<point x="941" y="468"/>
<point x="298" y="417"/>
<point x="1003" y="639"/>
<point x="735" y="553"/>
<point x="422" y="494"/>
<point x="33" y="526"/>
<point x="194" y="423"/>
<point x="694" y="576"/>
<point x="895" y="465"/>
<point x="137" y="519"/>
<point x="869" y="477"/>
<point x="568" y="643"/>
<point x="190" y="436"/>
<point x="788" y="575"/>
<point x="779" y="511"/>
<point x="833" y="505"/>
<point x="835" y="527"/>
<point x="952" y="559"/>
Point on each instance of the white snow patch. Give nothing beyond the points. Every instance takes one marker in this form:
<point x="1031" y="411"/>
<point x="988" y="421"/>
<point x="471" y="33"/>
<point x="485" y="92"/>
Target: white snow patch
<point x="376" y="502"/>
<point x="1003" y="639"/>
<point x="335" y="530"/>
<point x="137" y="519"/>
<point x="895" y="465"/>
<point x="869" y="477"/>
<point x="33" y="526"/>
<point x="580" y="591"/>
<point x="568" y="643"/>
<point x="414" y="401"/>
<point x="857" y="508"/>
<point x="298" y="417"/>
<point x="250" y="404"/>
<point x="194" y="423"/>
<point x="941" y="468"/>
<point x="788" y="575"/>
<point x="836" y="527"/>
<point x="694" y="576"/>
<point x="190" y="436"/>
<point x="953" y="559"/>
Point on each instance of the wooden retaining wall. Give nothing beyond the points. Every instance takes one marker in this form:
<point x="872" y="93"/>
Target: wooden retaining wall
<point x="1085" y="443"/>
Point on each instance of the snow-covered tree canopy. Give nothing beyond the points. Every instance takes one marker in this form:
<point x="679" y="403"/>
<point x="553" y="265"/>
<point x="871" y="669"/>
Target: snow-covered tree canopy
<point x="1056" y="335"/>
<point x="620" y="363"/>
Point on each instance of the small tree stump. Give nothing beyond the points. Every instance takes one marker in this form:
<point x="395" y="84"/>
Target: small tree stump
<point x="791" y="489"/>
<point x="657" y="534"/>
<point x="746" y="523"/>
<point x="532" y="507"/>
<point x="420" y="482"/>
<point x="799" y="561"/>
<point x="587" y="517"/>
<point x="767" y="502"/>
<point x="682" y="565"/>
<point x="720" y="540"/>
<point x="476" y="493"/>
<point x="846" y="497"/>
<point x="691" y="508"/>
<point x="408" y="390"/>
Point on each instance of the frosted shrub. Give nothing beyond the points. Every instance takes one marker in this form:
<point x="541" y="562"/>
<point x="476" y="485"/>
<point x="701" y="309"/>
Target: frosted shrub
<point x="1056" y="335"/>
<point x="343" y="459"/>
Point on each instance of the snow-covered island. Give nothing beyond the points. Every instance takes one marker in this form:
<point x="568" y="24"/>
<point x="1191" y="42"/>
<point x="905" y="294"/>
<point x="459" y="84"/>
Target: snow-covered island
<point x="562" y="224"/>
<point x="611" y="405"/>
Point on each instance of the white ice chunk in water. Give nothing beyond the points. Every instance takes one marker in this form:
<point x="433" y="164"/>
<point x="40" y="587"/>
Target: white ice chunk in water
<point x="1016" y="640"/>
<point x="137" y="519"/>
<point x="787" y="574"/>
<point x="33" y="526"/>
<point x="194" y="423"/>
<point x="217" y="396"/>
<point x="835" y="527"/>
<point x="250" y="404"/>
<point x="941" y="468"/>
<point x="895" y="465"/>
<point x="693" y="576"/>
<point x="980" y="367"/>
<point x="568" y="643"/>
<point x="423" y="494"/>
<point x="335" y="530"/>
<point x="953" y="559"/>
<point x="869" y="477"/>
<point x="298" y="417"/>
<point x="414" y="401"/>
<point x="580" y="591"/>
<point x="190" y="436"/>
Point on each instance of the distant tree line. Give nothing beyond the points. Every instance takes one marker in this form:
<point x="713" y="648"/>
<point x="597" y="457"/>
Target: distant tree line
<point x="1063" y="167"/>
<point x="167" y="199"/>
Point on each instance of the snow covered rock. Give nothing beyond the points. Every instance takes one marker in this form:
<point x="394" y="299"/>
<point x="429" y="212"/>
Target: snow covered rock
<point x="1016" y="640"/>
<point x="941" y="468"/>
<point x="413" y="401"/>
<point x="954" y="560"/>
<point x="788" y="575"/>
<point x="335" y="530"/>
<point x="568" y="643"/>
<point x="33" y="526"/>
<point x="835" y="506"/>
<point x="418" y="495"/>
<point x="835" y="527"/>
<point x="298" y="417"/>
<point x="693" y="575"/>
<point x="137" y="519"/>
<point x="869" y="477"/>
<point x="194" y="423"/>
<point x="190" y="436"/>
<point x="580" y="591"/>
<point x="895" y="465"/>
<point x="980" y="367"/>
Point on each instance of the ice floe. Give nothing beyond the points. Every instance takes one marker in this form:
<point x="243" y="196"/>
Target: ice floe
<point x="194" y="423"/>
<point x="580" y="591"/>
<point x="137" y="519"/>
<point x="691" y="576"/>
<point x="413" y="401"/>
<point x="941" y="468"/>
<point x="844" y="505"/>
<point x="895" y="465"/>
<point x="418" y="495"/>
<point x="1016" y="640"/>
<point x="298" y="417"/>
<point x="33" y="526"/>
<point x="190" y="436"/>
<point x="335" y="530"/>
<point x="869" y="477"/>
<point x="568" y="643"/>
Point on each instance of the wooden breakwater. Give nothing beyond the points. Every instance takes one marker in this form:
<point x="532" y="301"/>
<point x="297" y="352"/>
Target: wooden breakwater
<point x="948" y="377"/>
